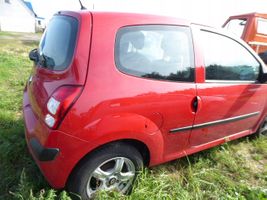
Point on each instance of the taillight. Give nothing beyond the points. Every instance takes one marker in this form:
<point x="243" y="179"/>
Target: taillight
<point x="59" y="103"/>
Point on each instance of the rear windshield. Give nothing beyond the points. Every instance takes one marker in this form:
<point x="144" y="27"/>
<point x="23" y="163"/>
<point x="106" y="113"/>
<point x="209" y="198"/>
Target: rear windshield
<point x="58" y="42"/>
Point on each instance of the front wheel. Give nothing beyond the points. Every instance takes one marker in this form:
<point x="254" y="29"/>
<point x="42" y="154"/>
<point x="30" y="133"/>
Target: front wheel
<point x="263" y="129"/>
<point x="112" y="168"/>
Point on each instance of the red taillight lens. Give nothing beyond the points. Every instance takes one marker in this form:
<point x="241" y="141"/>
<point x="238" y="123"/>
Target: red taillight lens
<point x="59" y="103"/>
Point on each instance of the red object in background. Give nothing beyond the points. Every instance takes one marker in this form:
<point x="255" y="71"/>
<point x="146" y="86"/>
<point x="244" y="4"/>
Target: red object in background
<point x="251" y="28"/>
<point x="169" y="118"/>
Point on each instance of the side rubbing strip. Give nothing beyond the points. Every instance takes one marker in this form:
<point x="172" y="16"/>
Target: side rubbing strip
<point x="222" y="121"/>
<point x="181" y="129"/>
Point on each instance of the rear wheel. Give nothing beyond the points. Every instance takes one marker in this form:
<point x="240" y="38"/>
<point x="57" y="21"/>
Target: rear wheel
<point x="112" y="168"/>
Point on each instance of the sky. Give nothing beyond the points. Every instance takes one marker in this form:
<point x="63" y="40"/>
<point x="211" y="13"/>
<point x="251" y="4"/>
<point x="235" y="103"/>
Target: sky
<point x="208" y="12"/>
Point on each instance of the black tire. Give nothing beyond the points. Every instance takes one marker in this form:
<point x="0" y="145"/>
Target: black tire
<point x="83" y="173"/>
<point x="261" y="131"/>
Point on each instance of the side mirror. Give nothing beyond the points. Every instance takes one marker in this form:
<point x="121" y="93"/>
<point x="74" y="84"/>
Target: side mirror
<point x="33" y="55"/>
<point x="263" y="78"/>
<point x="263" y="56"/>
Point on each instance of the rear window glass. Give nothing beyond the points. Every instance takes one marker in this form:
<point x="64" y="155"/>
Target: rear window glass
<point x="155" y="51"/>
<point x="58" y="42"/>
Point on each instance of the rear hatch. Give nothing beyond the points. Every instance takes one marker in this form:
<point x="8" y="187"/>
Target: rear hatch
<point x="60" y="65"/>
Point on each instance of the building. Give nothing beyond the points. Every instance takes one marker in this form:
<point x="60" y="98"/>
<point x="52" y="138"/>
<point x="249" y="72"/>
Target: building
<point x="17" y="16"/>
<point x="40" y="24"/>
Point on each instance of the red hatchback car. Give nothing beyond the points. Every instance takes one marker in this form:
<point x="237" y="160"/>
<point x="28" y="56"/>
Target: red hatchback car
<point x="110" y="93"/>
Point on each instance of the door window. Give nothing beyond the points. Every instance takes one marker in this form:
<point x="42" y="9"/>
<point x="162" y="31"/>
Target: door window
<point x="156" y="52"/>
<point x="226" y="59"/>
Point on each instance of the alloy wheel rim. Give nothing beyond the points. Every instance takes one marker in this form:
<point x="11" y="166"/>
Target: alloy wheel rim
<point x="115" y="174"/>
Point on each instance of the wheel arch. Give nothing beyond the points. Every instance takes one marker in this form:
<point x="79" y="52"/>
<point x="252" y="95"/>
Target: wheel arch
<point x="143" y="134"/>
<point x="140" y="146"/>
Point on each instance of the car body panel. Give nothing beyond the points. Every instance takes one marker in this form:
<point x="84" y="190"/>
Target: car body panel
<point x="224" y="102"/>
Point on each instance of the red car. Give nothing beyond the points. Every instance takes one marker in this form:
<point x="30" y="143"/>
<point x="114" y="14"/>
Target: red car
<point x="110" y="93"/>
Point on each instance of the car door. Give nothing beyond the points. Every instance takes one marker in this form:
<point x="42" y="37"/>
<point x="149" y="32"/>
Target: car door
<point x="231" y="99"/>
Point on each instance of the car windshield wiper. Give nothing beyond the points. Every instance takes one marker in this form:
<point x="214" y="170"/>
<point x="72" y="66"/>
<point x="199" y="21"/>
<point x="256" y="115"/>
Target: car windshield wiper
<point x="46" y="61"/>
<point x="42" y="60"/>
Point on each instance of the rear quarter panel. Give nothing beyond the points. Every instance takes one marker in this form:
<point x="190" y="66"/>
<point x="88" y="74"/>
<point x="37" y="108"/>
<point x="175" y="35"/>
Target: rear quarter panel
<point x="116" y="106"/>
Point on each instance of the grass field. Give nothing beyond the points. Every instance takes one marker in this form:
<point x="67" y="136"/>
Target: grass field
<point x="236" y="170"/>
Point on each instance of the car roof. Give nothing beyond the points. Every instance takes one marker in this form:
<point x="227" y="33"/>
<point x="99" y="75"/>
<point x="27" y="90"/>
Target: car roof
<point x="138" y="18"/>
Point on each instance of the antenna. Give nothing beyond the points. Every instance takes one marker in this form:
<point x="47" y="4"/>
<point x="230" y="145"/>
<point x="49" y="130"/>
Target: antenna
<point x="82" y="7"/>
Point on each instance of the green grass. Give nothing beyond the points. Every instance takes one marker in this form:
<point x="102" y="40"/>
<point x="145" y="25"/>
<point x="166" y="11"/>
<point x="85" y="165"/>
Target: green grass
<point x="234" y="171"/>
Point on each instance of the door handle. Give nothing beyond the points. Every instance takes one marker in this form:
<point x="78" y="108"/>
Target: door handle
<point x="196" y="103"/>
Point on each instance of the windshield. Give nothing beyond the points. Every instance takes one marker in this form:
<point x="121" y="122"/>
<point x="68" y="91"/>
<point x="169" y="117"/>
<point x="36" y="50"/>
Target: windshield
<point x="58" y="42"/>
<point x="236" y="26"/>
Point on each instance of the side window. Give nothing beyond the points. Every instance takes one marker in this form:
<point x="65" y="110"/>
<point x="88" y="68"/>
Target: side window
<point x="226" y="59"/>
<point x="156" y="52"/>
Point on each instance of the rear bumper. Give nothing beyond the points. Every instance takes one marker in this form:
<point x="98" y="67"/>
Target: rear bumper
<point x="41" y="153"/>
<point x="55" y="152"/>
